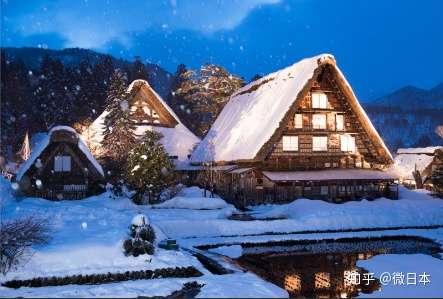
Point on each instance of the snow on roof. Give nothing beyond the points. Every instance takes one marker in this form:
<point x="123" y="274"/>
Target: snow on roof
<point x="44" y="142"/>
<point x="329" y="174"/>
<point x="178" y="141"/>
<point x="241" y="170"/>
<point x="419" y="150"/>
<point x="405" y="164"/>
<point x="254" y="113"/>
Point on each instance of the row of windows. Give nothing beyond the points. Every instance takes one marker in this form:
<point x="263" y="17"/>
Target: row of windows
<point x="319" y="121"/>
<point x="320" y="143"/>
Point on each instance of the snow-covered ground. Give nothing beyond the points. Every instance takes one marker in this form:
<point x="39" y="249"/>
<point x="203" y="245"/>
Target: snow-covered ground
<point x="88" y="235"/>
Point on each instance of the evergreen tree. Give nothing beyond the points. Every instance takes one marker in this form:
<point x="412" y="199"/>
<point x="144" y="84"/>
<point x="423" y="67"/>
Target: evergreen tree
<point x="149" y="169"/>
<point x="137" y="70"/>
<point x="119" y="137"/>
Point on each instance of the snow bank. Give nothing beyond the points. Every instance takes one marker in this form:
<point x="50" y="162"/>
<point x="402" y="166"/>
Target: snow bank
<point x="413" y="209"/>
<point x="406" y="263"/>
<point x="195" y="203"/>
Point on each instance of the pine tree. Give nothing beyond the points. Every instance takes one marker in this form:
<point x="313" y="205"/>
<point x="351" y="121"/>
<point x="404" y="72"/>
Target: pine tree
<point x="119" y="137"/>
<point x="149" y="169"/>
<point x="137" y="70"/>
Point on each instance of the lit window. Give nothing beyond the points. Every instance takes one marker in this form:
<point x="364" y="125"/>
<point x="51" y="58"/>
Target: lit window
<point x="347" y="143"/>
<point x="319" y="100"/>
<point x="290" y="143"/>
<point x="319" y="121"/>
<point x="62" y="163"/>
<point x="319" y="143"/>
<point x="339" y="122"/>
<point x="298" y="119"/>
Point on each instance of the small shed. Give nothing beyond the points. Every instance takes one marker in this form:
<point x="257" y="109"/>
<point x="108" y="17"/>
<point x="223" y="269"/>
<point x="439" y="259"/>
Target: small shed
<point x="414" y="165"/>
<point x="60" y="167"/>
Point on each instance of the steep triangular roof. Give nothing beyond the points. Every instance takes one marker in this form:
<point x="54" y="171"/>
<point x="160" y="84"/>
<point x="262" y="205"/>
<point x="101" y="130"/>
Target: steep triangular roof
<point x="151" y="97"/>
<point x="177" y="139"/>
<point x="254" y="113"/>
<point x="40" y="147"/>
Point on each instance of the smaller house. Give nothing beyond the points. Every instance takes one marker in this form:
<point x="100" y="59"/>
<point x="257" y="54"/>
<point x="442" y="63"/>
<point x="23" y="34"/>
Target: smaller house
<point x="415" y="165"/>
<point x="149" y="112"/>
<point x="60" y="167"/>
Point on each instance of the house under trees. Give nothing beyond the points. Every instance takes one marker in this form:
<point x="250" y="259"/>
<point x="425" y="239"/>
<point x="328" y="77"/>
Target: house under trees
<point x="148" y="111"/>
<point x="298" y="132"/>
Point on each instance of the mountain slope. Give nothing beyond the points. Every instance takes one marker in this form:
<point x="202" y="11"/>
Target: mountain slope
<point x="409" y="117"/>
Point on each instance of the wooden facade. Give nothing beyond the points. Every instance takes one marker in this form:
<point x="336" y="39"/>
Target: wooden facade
<point x="324" y="129"/>
<point x="146" y="108"/>
<point x="61" y="170"/>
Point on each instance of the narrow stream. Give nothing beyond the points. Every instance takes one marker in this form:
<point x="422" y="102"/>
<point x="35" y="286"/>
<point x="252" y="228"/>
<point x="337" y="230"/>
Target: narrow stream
<point x="326" y="269"/>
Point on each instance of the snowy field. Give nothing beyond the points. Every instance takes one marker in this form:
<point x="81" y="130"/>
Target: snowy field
<point x="88" y="235"/>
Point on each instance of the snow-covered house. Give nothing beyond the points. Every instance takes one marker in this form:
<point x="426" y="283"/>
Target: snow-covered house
<point x="298" y="132"/>
<point x="414" y="165"/>
<point x="149" y="112"/>
<point x="60" y="167"/>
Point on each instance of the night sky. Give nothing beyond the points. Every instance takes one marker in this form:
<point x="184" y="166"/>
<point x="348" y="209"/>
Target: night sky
<point x="379" y="45"/>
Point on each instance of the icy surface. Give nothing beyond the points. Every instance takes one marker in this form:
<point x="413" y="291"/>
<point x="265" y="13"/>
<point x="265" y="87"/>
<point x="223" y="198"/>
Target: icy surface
<point x="44" y="142"/>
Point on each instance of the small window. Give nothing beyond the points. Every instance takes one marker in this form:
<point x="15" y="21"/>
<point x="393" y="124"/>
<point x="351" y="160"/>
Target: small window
<point x="347" y="143"/>
<point x="319" y="100"/>
<point x="62" y="163"/>
<point x="319" y="121"/>
<point x="298" y="119"/>
<point x="327" y="164"/>
<point x="324" y="190"/>
<point x="319" y="143"/>
<point x="339" y="122"/>
<point x="290" y="143"/>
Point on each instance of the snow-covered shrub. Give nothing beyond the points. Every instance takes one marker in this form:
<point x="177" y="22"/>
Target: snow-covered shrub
<point x="142" y="237"/>
<point x="17" y="237"/>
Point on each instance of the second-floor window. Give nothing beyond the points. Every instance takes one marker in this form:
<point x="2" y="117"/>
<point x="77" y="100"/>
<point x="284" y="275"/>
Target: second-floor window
<point x="62" y="163"/>
<point x="347" y="143"/>
<point x="319" y="100"/>
<point x="298" y="119"/>
<point x="290" y="143"/>
<point x="319" y="143"/>
<point x="339" y="122"/>
<point x="319" y="121"/>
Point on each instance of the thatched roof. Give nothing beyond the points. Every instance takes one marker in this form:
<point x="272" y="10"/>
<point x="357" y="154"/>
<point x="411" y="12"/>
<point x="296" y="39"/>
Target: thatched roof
<point x="253" y="115"/>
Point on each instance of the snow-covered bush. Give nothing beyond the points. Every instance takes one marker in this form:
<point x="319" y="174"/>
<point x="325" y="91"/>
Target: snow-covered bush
<point x="17" y="237"/>
<point x="171" y="192"/>
<point x="142" y="237"/>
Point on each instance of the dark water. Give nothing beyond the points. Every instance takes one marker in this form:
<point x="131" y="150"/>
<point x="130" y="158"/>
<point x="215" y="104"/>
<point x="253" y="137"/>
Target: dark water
<point x="326" y="269"/>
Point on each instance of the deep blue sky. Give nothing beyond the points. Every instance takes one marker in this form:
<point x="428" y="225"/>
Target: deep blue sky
<point x="380" y="45"/>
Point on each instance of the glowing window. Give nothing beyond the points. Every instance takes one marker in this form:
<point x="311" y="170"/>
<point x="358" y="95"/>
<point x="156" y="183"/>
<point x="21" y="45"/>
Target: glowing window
<point x="290" y="143"/>
<point x="319" y="143"/>
<point x="319" y="100"/>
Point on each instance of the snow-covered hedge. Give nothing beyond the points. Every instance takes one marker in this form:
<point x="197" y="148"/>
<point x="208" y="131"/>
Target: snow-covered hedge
<point x="194" y="203"/>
